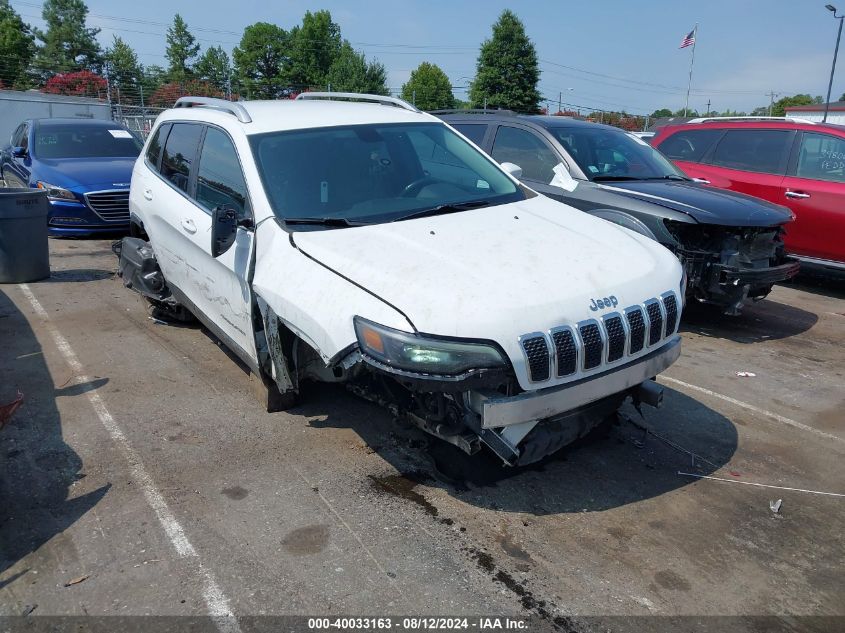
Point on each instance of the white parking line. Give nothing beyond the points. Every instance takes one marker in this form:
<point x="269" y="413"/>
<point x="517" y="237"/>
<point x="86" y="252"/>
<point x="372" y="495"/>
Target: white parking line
<point x="215" y="599"/>
<point x="751" y="407"/>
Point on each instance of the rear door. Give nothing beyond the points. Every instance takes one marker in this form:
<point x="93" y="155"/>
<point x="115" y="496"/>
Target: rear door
<point x="814" y="188"/>
<point x="749" y="160"/>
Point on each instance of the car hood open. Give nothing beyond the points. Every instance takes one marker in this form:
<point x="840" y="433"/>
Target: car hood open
<point x="503" y="270"/>
<point x="704" y="204"/>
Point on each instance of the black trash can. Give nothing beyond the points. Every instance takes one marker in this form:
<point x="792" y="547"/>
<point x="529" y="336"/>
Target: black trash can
<point x="24" y="253"/>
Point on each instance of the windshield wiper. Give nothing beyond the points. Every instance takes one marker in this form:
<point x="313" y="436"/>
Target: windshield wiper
<point x="668" y="177"/>
<point x="323" y="221"/>
<point x="609" y="178"/>
<point x="445" y="208"/>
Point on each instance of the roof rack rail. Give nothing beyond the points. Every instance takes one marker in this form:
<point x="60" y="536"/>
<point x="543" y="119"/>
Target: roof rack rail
<point x="355" y="96"/>
<point x="232" y="107"/>
<point x="473" y="111"/>
<point x="791" y="119"/>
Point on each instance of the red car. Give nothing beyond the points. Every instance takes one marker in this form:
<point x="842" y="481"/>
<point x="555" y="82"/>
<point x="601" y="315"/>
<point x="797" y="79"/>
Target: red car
<point x="792" y="162"/>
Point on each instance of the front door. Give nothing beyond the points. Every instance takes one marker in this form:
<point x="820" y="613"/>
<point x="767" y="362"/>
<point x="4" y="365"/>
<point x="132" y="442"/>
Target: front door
<point x="534" y="155"/>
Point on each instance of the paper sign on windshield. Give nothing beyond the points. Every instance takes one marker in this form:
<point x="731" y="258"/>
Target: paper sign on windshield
<point x="120" y="134"/>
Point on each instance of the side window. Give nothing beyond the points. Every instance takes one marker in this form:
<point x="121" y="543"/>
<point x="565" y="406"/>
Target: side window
<point x="822" y="157"/>
<point x="16" y="135"/>
<point x="154" y="148"/>
<point x="21" y="138"/>
<point x="220" y="180"/>
<point x="179" y="153"/>
<point x="473" y="131"/>
<point x="753" y="150"/>
<point x="527" y="150"/>
<point x="689" y="145"/>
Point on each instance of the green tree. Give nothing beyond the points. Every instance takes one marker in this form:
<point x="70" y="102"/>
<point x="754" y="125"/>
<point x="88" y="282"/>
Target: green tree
<point x="68" y="45"/>
<point x="152" y="78"/>
<point x="125" y="72"/>
<point x="429" y="88"/>
<point x="313" y="47"/>
<point x="351" y="72"/>
<point x="17" y="46"/>
<point x="261" y="59"/>
<point x="182" y="48"/>
<point x="661" y="113"/>
<point x="779" y="106"/>
<point x="842" y="98"/>
<point x="507" y="71"/>
<point x="213" y="67"/>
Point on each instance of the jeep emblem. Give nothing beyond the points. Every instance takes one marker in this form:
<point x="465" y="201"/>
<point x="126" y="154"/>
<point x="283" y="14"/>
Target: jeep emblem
<point x="602" y="304"/>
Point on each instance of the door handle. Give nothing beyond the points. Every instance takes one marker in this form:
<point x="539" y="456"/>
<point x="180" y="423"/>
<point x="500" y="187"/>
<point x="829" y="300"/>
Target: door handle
<point x="189" y="226"/>
<point x="796" y="194"/>
<point x="148" y="194"/>
<point x="703" y="181"/>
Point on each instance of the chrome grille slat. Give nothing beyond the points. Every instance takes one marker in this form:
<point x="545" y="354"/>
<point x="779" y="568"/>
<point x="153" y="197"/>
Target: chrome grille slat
<point x="593" y="345"/>
<point x="636" y="324"/>
<point x="111" y="206"/>
<point x="615" y="338"/>
<point x="655" y="321"/>
<point x="536" y="351"/>
<point x="670" y="304"/>
<point x="566" y="351"/>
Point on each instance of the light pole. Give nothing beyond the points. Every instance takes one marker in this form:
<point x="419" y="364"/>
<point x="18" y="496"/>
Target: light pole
<point x="832" y="9"/>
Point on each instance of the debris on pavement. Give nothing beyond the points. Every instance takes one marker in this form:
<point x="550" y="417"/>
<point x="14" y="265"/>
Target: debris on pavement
<point x="76" y="581"/>
<point x="751" y="483"/>
<point x="746" y="374"/>
<point x="29" y="609"/>
<point x="774" y="506"/>
<point x="7" y="410"/>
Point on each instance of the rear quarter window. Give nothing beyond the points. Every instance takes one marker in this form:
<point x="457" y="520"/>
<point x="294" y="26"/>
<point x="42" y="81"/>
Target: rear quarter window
<point x="689" y="145"/>
<point x="153" y="154"/>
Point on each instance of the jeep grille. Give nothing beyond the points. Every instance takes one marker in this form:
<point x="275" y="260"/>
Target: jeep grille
<point x="600" y="342"/>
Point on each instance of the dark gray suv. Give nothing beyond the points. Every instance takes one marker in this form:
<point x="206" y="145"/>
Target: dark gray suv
<point x="730" y="244"/>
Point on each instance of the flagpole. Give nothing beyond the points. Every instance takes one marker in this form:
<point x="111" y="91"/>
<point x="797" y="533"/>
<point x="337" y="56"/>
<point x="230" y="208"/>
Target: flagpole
<point x="692" y="61"/>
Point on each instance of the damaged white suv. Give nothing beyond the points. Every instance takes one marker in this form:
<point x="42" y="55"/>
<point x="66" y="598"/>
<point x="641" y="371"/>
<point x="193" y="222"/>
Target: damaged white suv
<point x="353" y="239"/>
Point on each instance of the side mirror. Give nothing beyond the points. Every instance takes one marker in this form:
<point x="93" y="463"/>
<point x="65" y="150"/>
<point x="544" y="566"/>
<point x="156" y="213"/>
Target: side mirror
<point x="513" y="169"/>
<point x="18" y="151"/>
<point x="224" y="229"/>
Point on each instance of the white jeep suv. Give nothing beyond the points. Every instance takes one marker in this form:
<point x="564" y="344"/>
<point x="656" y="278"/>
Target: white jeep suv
<point x="354" y="239"/>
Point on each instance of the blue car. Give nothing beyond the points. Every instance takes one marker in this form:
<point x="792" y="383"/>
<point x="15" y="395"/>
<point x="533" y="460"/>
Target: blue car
<point x="84" y="165"/>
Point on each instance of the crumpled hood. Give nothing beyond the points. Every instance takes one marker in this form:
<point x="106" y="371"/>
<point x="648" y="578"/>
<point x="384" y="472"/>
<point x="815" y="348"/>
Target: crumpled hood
<point x="705" y="204"/>
<point x="85" y="173"/>
<point x="499" y="272"/>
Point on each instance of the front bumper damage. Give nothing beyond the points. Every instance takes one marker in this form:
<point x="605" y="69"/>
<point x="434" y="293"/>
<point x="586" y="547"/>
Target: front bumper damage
<point x="727" y="265"/>
<point x="522" y="428"/>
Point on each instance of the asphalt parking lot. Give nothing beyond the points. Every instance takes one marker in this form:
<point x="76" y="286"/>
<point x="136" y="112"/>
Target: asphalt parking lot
<point x="142" y="467"/>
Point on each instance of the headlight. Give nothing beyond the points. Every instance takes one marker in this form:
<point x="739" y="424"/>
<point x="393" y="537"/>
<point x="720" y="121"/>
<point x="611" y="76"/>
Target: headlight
<point x="418" y="354"/>
<point x="54" y="192"/>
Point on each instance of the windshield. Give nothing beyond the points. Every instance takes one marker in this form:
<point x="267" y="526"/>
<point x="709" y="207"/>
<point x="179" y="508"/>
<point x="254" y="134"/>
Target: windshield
<point x="604" y="154"/>
<point x="84" y="141"/>
<point x="376" y="173"/>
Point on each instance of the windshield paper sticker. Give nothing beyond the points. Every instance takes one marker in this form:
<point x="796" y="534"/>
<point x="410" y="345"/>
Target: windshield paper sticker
<point x="563" y="178"/>
<point x="120" y="134"/>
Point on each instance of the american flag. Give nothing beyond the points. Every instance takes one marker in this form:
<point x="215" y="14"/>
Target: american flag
<point x="689" y="40"/>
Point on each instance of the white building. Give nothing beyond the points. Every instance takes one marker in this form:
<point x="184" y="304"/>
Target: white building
<point x="835" y="113"/>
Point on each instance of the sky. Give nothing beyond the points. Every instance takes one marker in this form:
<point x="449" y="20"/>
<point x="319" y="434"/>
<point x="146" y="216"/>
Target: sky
<point x="611" y="55"/>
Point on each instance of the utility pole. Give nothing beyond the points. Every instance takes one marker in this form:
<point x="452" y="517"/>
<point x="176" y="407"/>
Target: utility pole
<point x="559" y="102"/>
<point x="708" y="108"/>
<point x="832" y="9"/>
<point x="772" y="96"/>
